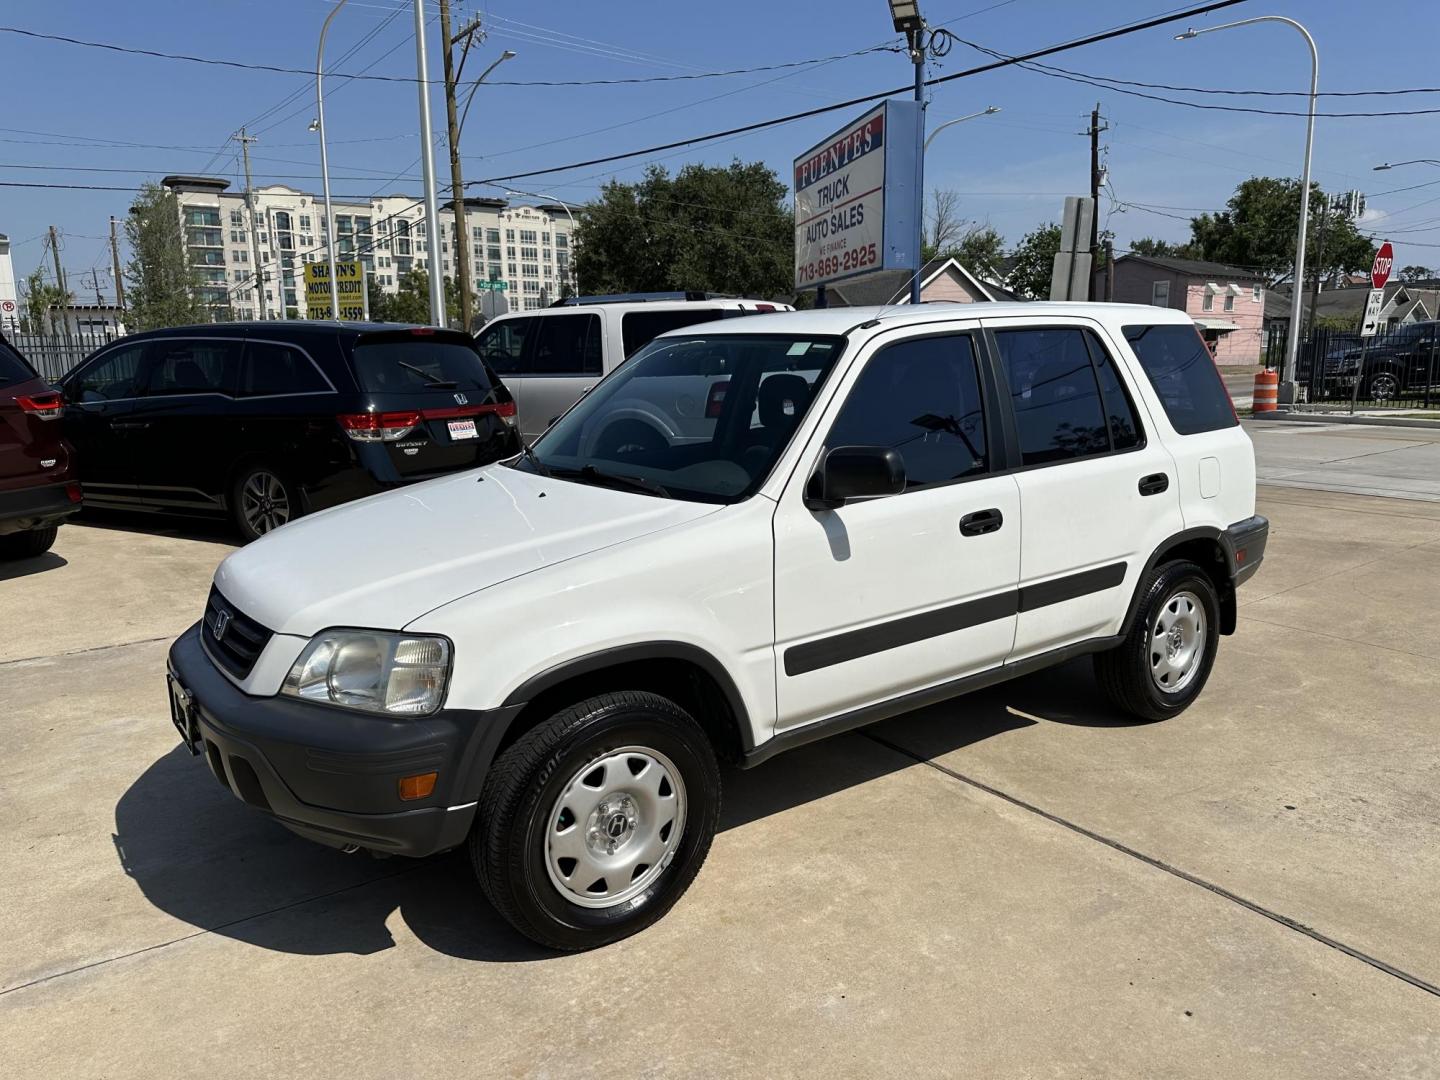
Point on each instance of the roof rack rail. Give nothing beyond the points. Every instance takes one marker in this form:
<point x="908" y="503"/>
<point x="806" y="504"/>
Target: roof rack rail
<point x="640" y="298"/>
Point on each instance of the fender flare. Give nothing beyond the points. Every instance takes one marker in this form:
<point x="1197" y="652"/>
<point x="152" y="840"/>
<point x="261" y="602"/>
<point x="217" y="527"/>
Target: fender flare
<point x="1200" y="532"/>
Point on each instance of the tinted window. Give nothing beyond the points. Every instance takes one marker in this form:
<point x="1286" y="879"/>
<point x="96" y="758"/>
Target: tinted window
<point x="921" y="398"/>
<point x="502" y="344"/>
<point x="565" y="345"/>
<point x="270" y="368"/>
<point x="1181" y="370"/>
<point x="1124" y="426"/>
<point x="192" y="367"/>
<point x="413" y="365"/>
<point x="116" y="375"/>
<point x="1055" y="396"/>
<point x="13" y="368"/>
<point x="639" y="328"/>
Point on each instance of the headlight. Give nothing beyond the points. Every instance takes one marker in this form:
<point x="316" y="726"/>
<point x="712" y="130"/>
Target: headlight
<point x="397" y="674"/>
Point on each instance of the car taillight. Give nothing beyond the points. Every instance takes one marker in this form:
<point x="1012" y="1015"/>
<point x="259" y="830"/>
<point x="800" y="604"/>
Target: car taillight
<point x="73" y="493"/>
<point x="378" y="427"/>
<point x="48" y="406"/>
<point x="505" y="410"/>
<point x="715" y="400"/>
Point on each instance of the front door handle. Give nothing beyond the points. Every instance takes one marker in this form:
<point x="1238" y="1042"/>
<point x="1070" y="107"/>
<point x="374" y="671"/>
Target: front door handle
<point x="981" y="522"/>
<point x="130" y="425"/>
<point x="1154" y="484"/>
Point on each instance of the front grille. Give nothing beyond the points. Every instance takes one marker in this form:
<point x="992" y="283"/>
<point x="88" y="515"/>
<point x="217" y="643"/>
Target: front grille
<point x="243" y="639"/>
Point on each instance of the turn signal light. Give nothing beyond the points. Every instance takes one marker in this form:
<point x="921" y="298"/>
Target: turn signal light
<point x="419" y="786"/>
<point x="378" y="426"/>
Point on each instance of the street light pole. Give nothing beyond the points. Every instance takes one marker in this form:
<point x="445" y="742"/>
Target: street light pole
<point x="1292" y="341"/>
<point x="324" y="167"/>
<point x="427" y="162"/>
<point x="574" y="277"/>
<point x="989" y="110"/>
<point x="1414" y="161"/>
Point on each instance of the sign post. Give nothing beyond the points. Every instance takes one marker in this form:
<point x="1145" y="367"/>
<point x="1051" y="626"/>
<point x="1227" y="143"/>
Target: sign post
<point x="349" y="286"/>
<point x="1370" y="325"/>
<point x="854" y="207"/>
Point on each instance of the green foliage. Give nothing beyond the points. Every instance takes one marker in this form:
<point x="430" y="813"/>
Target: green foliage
<point x="980" y="250"/>
<point x="1148" y="245"/>
<point x="42" y="301"/>
<point x="1342" y="323"/>
<point x="1257" y="230"/>
<point x="160" y="286"/>
<point x="411" y="302"/>
<point x="707" y="229"/>
<point x="1416" y="273"/>
<point x="1034" y="262"/>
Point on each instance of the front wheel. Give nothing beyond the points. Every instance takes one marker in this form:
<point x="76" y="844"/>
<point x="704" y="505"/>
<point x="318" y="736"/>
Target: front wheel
<point x="1166" y="658"/>
<point x="28" y="544"/>
<point x="594" y="823"/>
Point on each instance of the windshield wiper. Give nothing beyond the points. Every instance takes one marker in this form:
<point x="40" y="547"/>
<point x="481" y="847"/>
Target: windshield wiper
<point x="635" y="483"/>
<point x="430" y="383"/>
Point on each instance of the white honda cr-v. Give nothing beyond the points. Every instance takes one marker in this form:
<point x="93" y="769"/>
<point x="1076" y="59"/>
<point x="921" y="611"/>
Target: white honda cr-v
<point x="546" y="659"/>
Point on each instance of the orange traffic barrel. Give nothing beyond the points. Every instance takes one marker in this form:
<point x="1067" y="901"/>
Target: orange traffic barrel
<point x="1267" y="391"/>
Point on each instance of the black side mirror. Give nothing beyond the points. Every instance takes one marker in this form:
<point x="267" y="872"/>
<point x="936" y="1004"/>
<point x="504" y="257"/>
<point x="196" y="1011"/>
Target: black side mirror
<point x="855" y="472"/>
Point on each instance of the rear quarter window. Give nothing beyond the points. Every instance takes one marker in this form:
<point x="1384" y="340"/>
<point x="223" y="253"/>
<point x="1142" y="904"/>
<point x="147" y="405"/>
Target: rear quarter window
<point x="1183" y="373"/>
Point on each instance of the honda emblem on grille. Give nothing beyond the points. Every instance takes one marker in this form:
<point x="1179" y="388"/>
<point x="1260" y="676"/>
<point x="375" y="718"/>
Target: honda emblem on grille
<point x="222" y="623"/>
<point x="461" y="399"/>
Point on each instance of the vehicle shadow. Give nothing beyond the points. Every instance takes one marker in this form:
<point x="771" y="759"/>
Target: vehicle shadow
<point x="20" y="568"/>
<point x="214" y="531"/>
<point x="202" y="856"/>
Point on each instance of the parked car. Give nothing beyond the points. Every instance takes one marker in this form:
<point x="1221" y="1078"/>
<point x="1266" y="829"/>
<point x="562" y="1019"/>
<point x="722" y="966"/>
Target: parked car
<point x="1397" y="363"/>
<point x="886" y="510"/>
<point x="551" y="357"/>
<point x="267" y="421"/>
<point x="38" y="489"/>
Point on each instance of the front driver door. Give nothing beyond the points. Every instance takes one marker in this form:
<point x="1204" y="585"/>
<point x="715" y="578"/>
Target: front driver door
<point x="99" y="401"/>
<point x="888" y="595"/>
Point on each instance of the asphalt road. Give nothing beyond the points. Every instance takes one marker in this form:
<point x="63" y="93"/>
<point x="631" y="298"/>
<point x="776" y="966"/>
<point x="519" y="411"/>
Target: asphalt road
<point x="1014" y="884"/>
<point x="1398" y="462"/>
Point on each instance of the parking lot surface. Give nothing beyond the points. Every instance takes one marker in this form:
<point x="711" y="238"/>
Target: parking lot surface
<point x="1399" y="462"/>
<point x="1012" y="884"/>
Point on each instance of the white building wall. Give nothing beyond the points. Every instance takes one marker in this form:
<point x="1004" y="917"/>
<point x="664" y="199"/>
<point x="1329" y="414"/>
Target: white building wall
<point x="9" y="296"/>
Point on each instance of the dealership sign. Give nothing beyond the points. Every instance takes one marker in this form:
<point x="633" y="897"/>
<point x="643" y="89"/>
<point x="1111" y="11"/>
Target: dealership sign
<point x="855" y="201"/>
<point x="349" y="285"/>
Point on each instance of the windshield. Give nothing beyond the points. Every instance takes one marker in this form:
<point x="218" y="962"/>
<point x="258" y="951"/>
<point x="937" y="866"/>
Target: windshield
<point x="701" y="417"/>
<point x="415" y="365"/>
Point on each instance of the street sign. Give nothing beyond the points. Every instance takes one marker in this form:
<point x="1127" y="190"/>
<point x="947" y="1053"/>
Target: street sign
<point x="1381" y="267"/>
<point x="496" y="286"/>
<point x="1373" y="303"/>
<point x="349" y="283"/>
<point x="855" y="198"/>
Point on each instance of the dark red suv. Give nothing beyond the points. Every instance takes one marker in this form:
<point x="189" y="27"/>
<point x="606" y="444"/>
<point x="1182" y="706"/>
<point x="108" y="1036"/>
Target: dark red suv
<point x="37" y="476"/>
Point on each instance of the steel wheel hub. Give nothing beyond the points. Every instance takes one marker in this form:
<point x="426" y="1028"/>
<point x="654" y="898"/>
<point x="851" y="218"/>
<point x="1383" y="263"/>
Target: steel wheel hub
<point x="615" y="826"/>
<point x="1177" y="642"/>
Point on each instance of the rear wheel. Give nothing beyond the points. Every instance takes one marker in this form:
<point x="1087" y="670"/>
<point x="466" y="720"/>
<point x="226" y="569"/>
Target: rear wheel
<point x="261" y="501"/>
<point x="594" y="823"/>
<point x="28" y="544"/>
<point x="1383" y="386"/>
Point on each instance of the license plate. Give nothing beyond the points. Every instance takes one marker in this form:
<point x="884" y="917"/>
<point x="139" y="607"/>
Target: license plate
<point x="463" y="429"/>
<point x="182" y="714"/>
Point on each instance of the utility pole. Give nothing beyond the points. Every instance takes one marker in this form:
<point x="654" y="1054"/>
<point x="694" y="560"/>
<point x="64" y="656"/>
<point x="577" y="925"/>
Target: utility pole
<point x="60" y="281"/>
<point x="1109" y="269"/>
<point x="115" y="263"/>
<point x="1319" y="262"/>
<point x="1094" y="133"/>
<point x="457" y="183"/>
<point x="245" y="141"/>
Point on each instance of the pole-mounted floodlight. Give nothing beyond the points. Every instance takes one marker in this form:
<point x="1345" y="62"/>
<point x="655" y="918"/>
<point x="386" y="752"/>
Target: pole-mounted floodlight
<point x="906" y="14"/>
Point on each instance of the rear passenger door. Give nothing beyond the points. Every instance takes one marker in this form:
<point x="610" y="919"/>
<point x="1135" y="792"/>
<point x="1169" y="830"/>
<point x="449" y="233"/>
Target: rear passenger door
<point x="562" y="361"/>
<point x="1098" y="493"/>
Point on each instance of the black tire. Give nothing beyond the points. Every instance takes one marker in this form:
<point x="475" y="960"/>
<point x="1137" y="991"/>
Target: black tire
<point x="282" y="500"/>
<point x="28" y="544"/>
<point x="1125" y="672"/>
<point x="509" y="843"/>
<point x="1383" y="385"/>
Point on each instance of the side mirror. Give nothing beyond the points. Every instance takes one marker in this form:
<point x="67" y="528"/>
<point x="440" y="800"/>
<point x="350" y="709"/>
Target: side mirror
<point x="855" y="472"/>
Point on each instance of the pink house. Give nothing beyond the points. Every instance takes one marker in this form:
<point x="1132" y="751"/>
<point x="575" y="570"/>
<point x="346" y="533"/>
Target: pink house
<point x="1227" y="303"/>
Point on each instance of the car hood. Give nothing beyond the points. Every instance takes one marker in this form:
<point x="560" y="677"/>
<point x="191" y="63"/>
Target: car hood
<point x="382" y="562"/>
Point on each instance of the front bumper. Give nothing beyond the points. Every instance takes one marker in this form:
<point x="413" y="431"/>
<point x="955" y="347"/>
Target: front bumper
<point x="1244" y="544"/>
<point x="36" y="507"/>
<point x="332" y="775"/>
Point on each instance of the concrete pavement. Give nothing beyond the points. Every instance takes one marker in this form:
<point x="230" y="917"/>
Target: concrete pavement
<point x="1397" y="462"/>
<point x="1014" y="884"/>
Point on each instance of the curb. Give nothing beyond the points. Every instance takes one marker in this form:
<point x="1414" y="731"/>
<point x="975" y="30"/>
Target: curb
<point x="1330" y="418"/>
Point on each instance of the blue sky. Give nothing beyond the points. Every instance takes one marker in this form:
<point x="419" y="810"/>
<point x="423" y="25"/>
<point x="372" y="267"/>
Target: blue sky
<point x="72" y="108"/>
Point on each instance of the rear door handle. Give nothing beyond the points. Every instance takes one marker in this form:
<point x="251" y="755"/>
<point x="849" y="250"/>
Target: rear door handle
<point x="981" y="522"/>
<point x="130" y="425"/>
<point x="1154" y="484"/>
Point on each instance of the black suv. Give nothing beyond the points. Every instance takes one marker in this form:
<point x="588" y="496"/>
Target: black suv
<point x="266" y="421"/>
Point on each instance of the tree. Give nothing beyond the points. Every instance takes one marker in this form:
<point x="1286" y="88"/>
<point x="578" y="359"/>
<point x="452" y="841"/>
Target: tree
<point x="981" y="250"/>
<point x="411" y="301"/>
<point x="708" y="229"/>
<point x="1416" y="273"/>
<point x="160" y="286"/>
<point x="42" y="303"/>
<point x="1257" y="230"/>
<point x="1034" y="262"/>
<point x="943" y="224"/>
<point x="1148" y="245"/>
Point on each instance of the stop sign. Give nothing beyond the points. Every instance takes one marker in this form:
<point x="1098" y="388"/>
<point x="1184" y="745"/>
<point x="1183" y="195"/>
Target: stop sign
<point x="1380" y="268"/>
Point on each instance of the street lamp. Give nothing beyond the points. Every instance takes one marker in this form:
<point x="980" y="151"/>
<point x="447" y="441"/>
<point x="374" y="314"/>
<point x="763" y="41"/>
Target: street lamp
<point x="1292" y="340"/>
<point x="506" y="55"/>
<point x="574" y="277"/>
<point x="318" y="125"/>
<point x="989" y="110"/>
<point x="905" y="15"/>
<point x="1397" y="164"/>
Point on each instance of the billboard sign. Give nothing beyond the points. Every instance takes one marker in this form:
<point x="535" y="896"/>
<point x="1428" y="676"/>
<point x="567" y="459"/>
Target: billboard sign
<point x="349" y="283"/>
<point x="855" y="198"/>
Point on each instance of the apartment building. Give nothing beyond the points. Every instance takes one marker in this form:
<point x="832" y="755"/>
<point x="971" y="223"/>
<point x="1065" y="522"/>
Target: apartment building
<point x="528" y="247"/>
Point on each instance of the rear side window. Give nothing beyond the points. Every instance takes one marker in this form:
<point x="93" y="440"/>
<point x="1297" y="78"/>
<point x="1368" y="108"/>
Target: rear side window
<point x="413" y="365"/>
<point x="114" y="376"/>
<point x="270" y="368"/>
<point x="13" y="368"/>
<point x="1124" y="426"/>
<point x="1055" y="394"/>
<point x="639" y="328"/>
<point x="502" y="344"/>
<point x="565" y="345"/>
<point x="192" y="367"/>
<point x="1181" y="370"/>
